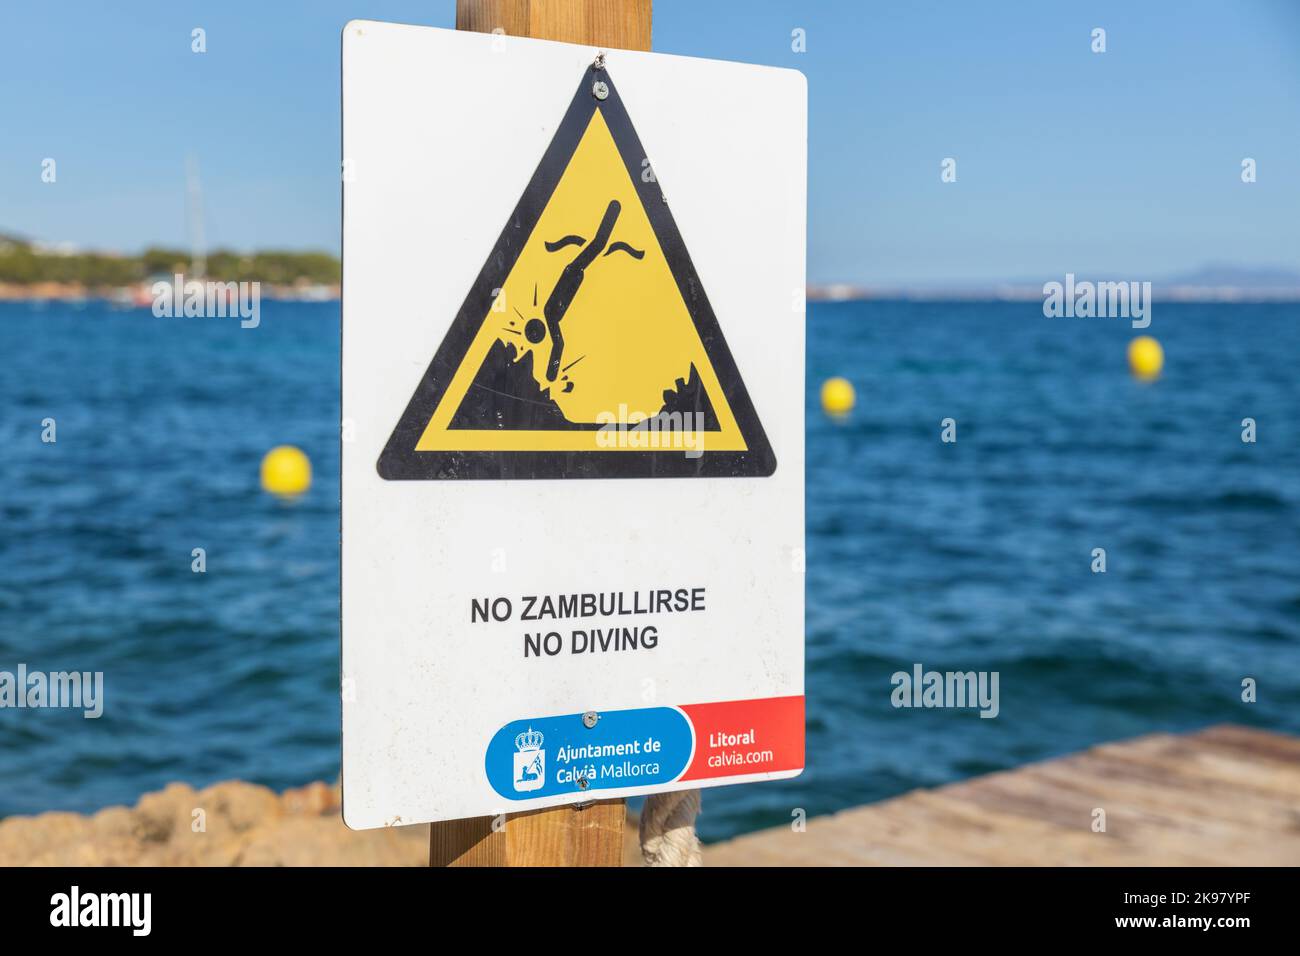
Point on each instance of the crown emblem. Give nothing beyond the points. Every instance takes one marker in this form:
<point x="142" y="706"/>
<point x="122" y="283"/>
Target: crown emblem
<point x="529" y="740"/>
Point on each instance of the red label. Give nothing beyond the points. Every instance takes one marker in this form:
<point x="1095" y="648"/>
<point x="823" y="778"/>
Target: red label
<point x="739" y="737"/>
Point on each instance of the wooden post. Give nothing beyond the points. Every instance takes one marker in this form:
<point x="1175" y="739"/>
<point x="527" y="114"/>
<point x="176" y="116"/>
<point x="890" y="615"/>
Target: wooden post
<point x="565" y="836"/>
<point x="622" y="24"/>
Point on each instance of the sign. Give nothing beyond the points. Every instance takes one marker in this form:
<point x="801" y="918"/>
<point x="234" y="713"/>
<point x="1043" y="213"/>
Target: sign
<point x="618" y="369"/>
<point x="563" y="263"/>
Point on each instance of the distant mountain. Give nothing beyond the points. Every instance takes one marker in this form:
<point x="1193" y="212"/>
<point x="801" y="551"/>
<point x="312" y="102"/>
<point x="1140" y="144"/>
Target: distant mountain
<point x="1236" y="276"/>
<point x="1208" y="283"/>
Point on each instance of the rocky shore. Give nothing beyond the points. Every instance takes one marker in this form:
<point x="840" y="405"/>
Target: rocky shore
<point x="227" y="824"/>
<point x="232" y="823"/>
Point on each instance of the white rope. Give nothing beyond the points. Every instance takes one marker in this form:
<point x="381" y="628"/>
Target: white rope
<point x="668" y="829"/>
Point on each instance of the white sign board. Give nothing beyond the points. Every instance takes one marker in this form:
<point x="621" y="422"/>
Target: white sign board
<point x="573" y="395"/>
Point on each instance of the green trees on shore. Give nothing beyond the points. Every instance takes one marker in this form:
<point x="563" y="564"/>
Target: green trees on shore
<point x="23" y="264"/>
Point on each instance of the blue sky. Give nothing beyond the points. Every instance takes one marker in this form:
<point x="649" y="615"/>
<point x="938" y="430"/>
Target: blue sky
<point x="1125" y="163"/>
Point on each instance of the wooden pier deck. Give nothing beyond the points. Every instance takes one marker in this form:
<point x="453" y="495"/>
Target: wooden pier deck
<point x="1227" y="795"/>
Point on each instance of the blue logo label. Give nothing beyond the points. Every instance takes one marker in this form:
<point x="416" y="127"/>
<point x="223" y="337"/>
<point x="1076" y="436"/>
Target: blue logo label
<point x="625" y="748"/>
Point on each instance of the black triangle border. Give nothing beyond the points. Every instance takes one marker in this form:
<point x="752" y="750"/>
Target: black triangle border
<point x="399" y="460"/>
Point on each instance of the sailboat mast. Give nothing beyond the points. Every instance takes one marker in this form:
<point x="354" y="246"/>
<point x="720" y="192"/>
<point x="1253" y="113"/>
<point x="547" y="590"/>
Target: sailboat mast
<point x="194" y="195"/>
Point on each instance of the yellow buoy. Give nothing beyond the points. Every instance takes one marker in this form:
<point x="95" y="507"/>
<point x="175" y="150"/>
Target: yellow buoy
<point x="286" y="471"/>
<point x="837" y="396"/>
<point x="1145" y="357"/>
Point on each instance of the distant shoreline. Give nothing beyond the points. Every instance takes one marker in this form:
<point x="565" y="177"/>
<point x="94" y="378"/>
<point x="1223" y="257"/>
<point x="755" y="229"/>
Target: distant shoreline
<point x="40" y="271"/>
<point x="1163" y="292"/>
<point x="140" y="295"/>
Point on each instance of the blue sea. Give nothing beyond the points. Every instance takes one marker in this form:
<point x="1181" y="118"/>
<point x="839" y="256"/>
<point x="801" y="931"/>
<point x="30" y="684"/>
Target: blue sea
<point x="972" y="555"/>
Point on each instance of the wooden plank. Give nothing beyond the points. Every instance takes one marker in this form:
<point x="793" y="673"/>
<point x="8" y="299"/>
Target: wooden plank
<point x="1218" y="770"/>
<point x="563" y="836"/>
<point x="469" y="842"/>
<point x="616" y="24"/>
<point x="1226" y="795"/>
<point x="591" y="835"/>
<point x="1249" y="740"/>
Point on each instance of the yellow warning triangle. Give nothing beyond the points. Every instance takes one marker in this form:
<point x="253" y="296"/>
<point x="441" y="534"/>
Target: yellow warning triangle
<point x="587" y="347"/>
